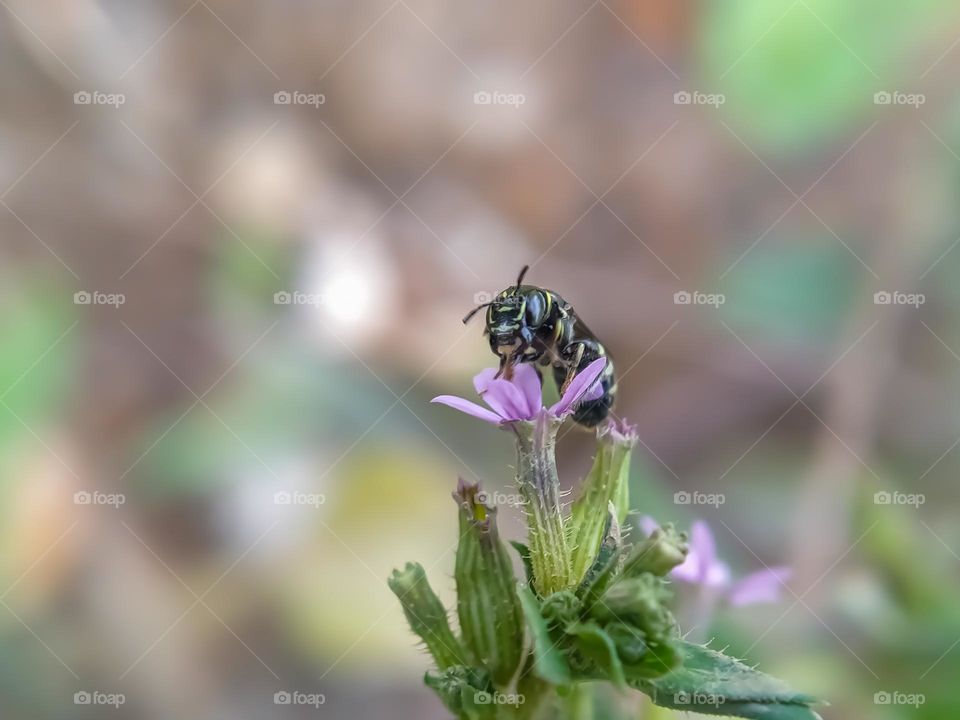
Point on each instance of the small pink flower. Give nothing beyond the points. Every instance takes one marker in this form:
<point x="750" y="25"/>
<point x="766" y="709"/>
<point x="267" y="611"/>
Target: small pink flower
<point x="521" y="399"/>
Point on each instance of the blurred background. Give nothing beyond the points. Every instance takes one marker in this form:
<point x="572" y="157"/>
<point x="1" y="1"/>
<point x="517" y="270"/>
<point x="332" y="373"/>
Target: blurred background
<point x="237" y="243"/>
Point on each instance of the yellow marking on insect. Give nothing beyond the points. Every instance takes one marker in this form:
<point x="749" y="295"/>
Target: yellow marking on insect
<point x="549" y="297"/>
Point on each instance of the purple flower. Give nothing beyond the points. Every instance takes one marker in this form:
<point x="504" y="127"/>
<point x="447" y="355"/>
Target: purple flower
<point x="521" y="399"/>
<point x="702" y="567"/>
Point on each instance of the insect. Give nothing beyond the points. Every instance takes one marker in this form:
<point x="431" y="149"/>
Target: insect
<point x="530" y="324"/>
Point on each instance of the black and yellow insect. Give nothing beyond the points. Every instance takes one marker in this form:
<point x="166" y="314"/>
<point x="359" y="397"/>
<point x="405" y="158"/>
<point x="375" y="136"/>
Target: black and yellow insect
<point x="529" y="324"/>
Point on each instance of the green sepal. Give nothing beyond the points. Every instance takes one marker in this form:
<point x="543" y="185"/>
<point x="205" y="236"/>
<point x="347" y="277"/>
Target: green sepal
<point x="549" y="662"/>
<point x="548" y="536"/>
<point x="711" y="683"/>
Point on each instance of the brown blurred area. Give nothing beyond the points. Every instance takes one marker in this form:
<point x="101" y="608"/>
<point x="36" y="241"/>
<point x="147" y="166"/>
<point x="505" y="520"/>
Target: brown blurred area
<point x="298" y="201"/>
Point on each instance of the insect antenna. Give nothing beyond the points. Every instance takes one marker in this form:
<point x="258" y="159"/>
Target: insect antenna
<point x="523" y="274"/>
<point x="473" y="312"/>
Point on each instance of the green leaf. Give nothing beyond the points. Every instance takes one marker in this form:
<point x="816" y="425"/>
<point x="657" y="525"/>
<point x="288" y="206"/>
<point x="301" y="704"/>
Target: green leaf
<point x="711" y="683"/>
<point x="604" y="569"/>
<point x="596" y="645"/>
<point x="462" y="689"/>
<point x="549" y="662"/>
<point x="524" y="552"/>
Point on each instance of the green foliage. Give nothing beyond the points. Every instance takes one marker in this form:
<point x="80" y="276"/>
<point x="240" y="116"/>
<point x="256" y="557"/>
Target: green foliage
<point x="610" y="621"/>
<point x="793" y="73"/>
<point x="711" y="683"/>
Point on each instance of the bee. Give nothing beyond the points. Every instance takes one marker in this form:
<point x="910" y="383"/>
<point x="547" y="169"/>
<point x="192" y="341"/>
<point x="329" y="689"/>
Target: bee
<point x="529" y="324"/>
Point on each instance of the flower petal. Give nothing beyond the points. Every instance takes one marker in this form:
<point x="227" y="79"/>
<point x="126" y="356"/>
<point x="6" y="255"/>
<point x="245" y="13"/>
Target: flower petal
<point x="482" y="382"/>
<point x="703" y="548"/>
<point x="648" y="524"/>
<point x="527" y="380"/>
<point x="508" y="396"/>
<point x="763" y="586"/>
<point x="470" y="408"/>
<point x="580" y="385"/>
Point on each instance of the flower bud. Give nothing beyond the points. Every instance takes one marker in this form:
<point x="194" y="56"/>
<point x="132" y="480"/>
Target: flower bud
<point x="426" y="615"/>
<point x="491" y="620"/>
<point x="662" y="551"/>
<point x="607" y="483"/>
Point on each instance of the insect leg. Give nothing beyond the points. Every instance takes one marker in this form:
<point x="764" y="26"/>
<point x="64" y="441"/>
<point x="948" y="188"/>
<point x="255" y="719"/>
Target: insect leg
<point x="572" y="367"/>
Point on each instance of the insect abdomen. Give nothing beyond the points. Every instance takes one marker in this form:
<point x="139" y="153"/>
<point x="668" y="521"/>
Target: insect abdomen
<point x="591" y="413"/>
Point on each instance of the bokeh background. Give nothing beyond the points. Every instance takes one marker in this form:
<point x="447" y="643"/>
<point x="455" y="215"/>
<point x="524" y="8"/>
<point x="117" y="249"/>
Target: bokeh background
<point x="181" y="394"/>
